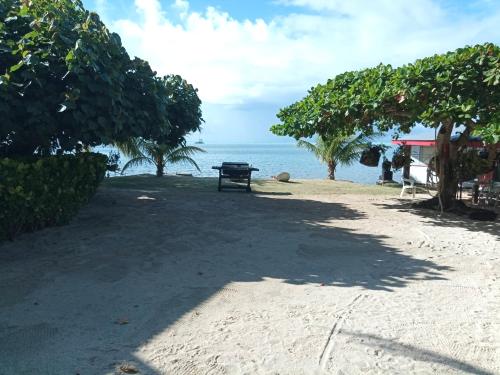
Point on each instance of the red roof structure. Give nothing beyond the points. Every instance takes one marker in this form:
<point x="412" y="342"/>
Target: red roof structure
<point x="413" y="142"/>
<point x="473" y="142"/>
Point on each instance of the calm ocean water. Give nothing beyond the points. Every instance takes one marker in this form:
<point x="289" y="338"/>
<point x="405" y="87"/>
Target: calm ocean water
<point x="270" y="159"/>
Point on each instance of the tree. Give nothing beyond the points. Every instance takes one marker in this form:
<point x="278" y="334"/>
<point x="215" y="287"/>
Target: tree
<point x="445" y="92"/>
<point x="336" y="151"/>
<point x="66" y="81"/>
<point x="183" y="108"/>
<point x="149" y="152"/>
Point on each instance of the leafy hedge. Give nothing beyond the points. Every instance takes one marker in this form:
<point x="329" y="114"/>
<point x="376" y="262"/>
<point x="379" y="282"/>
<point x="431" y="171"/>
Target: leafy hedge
<point x="40" y="192"/>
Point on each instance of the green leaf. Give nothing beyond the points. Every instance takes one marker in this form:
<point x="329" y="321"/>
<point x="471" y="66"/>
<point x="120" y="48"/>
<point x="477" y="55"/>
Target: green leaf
<point x="16" y="67"/>
<point x="70" y="56"/>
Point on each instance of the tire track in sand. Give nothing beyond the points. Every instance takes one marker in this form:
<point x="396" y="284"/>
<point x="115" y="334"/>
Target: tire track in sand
<point x="337" y="326"/>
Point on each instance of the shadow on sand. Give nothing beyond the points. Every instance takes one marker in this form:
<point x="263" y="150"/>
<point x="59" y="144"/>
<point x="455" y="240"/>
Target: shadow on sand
<point x="147" y="259"/>
<point x="413" y="352"/>
<point x="447" y="220"/>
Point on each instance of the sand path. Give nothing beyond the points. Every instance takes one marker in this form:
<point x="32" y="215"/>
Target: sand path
<point x="180" y="282"/>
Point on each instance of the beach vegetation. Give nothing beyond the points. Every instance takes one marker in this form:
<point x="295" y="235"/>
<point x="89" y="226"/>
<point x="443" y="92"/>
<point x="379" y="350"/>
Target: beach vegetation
<point x="401" y="158"/>
<point x="458" y="90"/>
<point x="66" y="85"/>
<point x="336" y="151"/>
<point x="184" y="116"/>
<point x="36" y="192"/>
<point x="66" y="80"/>
<point x="183" y="110"/>
<point x="149" y="152"/>
<point x="371" y="155"/>
<point x="470" y="164"/>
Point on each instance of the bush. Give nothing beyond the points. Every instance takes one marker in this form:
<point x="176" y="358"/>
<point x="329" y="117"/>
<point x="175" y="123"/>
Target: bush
<point x="40" y="192"/>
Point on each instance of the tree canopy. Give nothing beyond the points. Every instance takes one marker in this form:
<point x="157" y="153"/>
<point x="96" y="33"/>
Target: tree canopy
<point x="183" y="108"/>
<point x="66" y="80"/>
<point x="462" y="86"/>
<point x="459" y="88"/>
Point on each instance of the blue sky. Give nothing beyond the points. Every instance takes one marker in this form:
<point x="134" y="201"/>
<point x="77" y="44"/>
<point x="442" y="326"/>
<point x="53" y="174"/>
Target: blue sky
<point x="250" y="58"/>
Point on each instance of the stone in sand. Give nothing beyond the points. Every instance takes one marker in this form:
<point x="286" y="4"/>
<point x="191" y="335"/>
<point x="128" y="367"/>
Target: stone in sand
<point x="282" y="177"/>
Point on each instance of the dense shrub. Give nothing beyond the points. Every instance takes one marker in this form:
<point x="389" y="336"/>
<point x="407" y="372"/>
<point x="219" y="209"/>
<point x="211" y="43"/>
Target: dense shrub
<point x="39" y="192"/>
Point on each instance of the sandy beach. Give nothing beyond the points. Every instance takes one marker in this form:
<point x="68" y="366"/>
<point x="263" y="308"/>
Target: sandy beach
<point x="311" y="278"/>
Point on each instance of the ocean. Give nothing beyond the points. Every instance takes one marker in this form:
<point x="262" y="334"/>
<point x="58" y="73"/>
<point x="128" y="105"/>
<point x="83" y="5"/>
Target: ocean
<point x="271" y="159"/>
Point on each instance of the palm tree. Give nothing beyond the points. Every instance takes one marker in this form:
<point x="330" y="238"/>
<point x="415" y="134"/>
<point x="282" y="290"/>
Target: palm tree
<point x="334" y="151"/>
<point x="142" y="151"/>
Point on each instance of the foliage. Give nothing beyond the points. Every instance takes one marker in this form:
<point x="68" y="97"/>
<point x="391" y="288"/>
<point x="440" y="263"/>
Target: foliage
<point x="65" y="80"/>
<point x="184" y="110"/>
<point x="148" y="152"/>
<point x="490" y="134"/>
<point x="441" y="91"/>
<point x="470" y="165"/>
<point x="38" y="192"/>
<point x="336" y="151"/>
<point x="456" y="85"/>
<point x="400" y="159"/>
<point x="370" y="156"/>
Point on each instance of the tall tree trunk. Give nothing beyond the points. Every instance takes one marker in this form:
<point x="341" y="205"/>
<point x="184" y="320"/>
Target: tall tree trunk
<point x="331" y="170"/>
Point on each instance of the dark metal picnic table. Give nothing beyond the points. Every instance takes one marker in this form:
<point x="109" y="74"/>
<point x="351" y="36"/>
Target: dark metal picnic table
<point x="236" y="172"/>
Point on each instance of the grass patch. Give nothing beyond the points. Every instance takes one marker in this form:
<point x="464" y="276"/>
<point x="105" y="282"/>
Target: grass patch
<point x="209" y="184"/>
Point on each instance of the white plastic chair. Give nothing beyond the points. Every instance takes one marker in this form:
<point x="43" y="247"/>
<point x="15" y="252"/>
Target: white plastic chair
<point x="408" y="184"/>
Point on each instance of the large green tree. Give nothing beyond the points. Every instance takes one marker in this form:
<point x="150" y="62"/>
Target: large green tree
<point x="65" y="81"/>
<point x="458" y="90"/>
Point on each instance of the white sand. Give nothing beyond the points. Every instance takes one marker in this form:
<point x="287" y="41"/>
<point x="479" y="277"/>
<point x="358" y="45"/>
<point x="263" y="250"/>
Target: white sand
<point x="231" y="283"/>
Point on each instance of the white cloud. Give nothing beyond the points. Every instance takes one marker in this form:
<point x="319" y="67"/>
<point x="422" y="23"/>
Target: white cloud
<point x="233" y="61"/>
<point x="182" y="6"/>
<point x="240" y="64"/>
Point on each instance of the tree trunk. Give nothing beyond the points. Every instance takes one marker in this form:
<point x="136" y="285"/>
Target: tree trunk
<point x="331" y="170"/>
<point x="447" y="179"/>
<point x="159" y="167"/>
<point x="448" y="153"/>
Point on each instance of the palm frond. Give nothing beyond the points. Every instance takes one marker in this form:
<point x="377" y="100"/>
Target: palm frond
<point x="142" y="151"/>
<point x="183" y="151"/>
<point x="316" y="149"/>
<point x="184" y="159"/>
<point x="135" y="162"/>
<point x="130" y="148"/>
<point x="351" y="148"/>
<point x="340" y="150"/>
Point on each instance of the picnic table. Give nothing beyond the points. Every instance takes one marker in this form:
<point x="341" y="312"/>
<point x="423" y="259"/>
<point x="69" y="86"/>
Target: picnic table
<point x="235" y="172"/>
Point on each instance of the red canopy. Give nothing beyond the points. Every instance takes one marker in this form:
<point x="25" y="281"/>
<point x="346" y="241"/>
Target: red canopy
<point x="422" y="142"/>
<point x="413" y="142"/>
